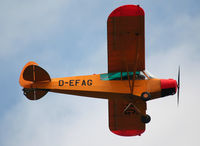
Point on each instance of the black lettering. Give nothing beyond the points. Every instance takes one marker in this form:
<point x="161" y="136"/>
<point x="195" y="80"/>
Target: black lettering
<point x="76" y="82"/>
<point x="61" y="83"/>
<point x="89" y="82"/>
<point x="83" y="83"/>
<point x="71" y="82"/>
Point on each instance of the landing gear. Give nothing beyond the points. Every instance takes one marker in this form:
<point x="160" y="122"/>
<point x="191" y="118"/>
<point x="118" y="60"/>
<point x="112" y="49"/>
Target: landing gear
<point x="146" y="96"/>
<point x="132" y="109"/>
<point x="26" y="91"/>
<point x="145" y="119"/>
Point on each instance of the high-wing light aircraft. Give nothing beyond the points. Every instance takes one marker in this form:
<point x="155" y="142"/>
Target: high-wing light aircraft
<point x="127" y="85"/>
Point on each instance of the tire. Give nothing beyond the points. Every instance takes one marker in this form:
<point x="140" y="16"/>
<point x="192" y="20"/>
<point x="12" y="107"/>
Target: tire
<point x="146" y="119"/>
<point x="146" y="96"/>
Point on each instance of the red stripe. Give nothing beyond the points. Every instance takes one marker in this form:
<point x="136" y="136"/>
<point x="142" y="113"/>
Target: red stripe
<point x="128" y="132"/>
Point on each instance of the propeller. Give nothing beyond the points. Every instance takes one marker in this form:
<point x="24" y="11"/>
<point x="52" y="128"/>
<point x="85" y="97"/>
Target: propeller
<point x="178" y="86"/>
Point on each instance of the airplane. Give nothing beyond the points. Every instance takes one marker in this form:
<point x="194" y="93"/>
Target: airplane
<point x="127" y="85"/>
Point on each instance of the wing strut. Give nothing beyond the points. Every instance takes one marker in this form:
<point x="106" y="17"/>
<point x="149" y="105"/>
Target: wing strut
<point x="135" y="68"/>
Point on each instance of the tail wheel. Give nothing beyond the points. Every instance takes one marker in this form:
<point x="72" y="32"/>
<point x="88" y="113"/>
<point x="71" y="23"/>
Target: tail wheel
<point x="146" y="96"/>
<point x="146" y="119"/>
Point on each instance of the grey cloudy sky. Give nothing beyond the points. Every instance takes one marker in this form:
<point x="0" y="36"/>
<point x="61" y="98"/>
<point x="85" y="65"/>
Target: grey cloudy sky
<point x="68" y="37"/>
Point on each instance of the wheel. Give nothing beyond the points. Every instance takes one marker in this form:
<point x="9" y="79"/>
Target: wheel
<point x="146" y="96"/>
<point x="146" y="119"/>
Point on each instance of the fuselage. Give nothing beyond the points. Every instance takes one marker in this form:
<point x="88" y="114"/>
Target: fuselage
<point x="103" y="86"/>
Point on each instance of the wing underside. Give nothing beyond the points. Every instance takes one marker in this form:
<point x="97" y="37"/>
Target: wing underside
<point x="126" y="39"/>
<point x="126" y="53"/>
<point x="124" y="117"/>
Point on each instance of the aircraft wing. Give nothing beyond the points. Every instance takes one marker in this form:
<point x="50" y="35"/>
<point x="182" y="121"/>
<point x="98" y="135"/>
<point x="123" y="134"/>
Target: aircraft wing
<point x="125" y="32"/>
<point x="124" y="117"/>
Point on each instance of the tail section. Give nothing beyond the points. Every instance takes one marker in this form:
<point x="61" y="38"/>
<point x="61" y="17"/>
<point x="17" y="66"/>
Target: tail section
<point x="31" y="75"/>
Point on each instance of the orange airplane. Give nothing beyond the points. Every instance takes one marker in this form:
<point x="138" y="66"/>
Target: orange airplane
<point x="127" y="85"/>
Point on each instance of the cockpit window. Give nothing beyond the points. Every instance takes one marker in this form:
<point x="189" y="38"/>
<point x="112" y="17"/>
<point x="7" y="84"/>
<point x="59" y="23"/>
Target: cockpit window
<point x="139" y="75"/>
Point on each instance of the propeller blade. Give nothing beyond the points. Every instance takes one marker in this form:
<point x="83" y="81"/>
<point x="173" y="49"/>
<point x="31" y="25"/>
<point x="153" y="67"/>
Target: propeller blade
<point x="178" y="86"/>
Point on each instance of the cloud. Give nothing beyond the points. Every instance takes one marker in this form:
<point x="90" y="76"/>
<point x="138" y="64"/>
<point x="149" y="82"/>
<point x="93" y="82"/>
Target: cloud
<point x="23" y="22"/>
<point x="51" y="121"/>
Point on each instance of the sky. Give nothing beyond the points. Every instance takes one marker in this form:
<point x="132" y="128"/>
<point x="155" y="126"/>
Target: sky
<point x="67" y="38"/>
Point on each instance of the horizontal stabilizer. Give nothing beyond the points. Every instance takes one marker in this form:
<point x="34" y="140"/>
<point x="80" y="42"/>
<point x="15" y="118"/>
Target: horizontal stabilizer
<point x="34" y="94"/>
<point x="35" y="73"/>
<point x="30" y="76"/>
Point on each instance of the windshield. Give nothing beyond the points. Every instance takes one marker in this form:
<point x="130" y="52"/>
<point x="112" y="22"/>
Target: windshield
<point x="139" y="75"/>
<point x="149" y="74"/>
